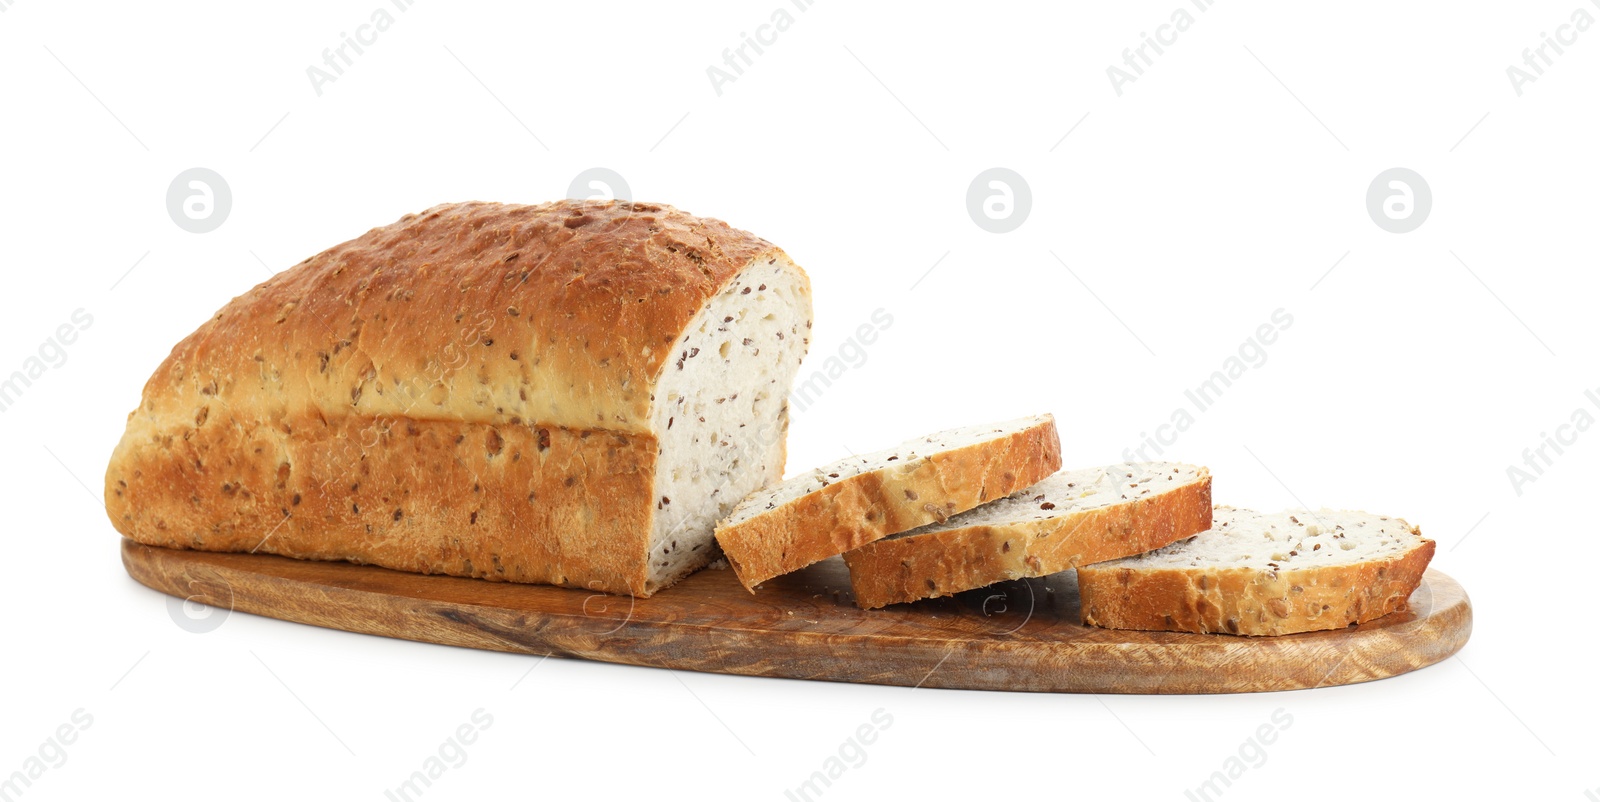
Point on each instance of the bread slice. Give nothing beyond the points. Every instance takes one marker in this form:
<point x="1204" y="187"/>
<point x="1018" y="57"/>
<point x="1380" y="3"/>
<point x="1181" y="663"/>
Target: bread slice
<point x="852" y="502"/>
<point x="1071" y="518"/>
<point x="1259" y="573"/>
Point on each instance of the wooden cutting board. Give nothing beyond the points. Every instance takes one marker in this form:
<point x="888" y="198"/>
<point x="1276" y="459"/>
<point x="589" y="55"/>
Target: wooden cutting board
<point x="1016" y="636"/>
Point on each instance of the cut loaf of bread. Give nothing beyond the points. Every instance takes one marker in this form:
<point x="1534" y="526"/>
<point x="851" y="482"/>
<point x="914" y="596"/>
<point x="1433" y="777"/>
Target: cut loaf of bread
<point x="859" y="499"/>
<point x="1259" y="573"/>
<point x="572" y="393"/>
<point x="1071" y="518"/>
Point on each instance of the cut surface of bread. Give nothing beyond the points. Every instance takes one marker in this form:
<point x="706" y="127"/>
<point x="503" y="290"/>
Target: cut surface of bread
<point x="1071" y="518"/>
<point x="859" y="499"/>
<point x="571" y="393"/>
<point x="721" y="411"/>
<point x="1255" y="573"/>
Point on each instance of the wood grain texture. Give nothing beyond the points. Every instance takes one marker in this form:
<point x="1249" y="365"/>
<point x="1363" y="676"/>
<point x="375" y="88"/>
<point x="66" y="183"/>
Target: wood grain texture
<point x="1015" y="636"/>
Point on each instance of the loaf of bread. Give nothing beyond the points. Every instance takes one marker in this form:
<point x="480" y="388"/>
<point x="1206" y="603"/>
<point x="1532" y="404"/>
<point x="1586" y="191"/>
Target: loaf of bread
<point x="859" y="499"/>
<point x="1072" y="518"/>
<point x="1258" y="573"/>
<point x="571" y="393"/>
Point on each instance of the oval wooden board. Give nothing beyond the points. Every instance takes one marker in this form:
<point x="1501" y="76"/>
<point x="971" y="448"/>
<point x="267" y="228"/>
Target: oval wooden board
<point x="1016" y="636"/>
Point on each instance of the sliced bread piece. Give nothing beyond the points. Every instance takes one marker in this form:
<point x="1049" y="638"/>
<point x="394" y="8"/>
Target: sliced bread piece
<point x="852" y="502"/>
<point x="1071" y="518"/>
<point x="1259" y="573"/>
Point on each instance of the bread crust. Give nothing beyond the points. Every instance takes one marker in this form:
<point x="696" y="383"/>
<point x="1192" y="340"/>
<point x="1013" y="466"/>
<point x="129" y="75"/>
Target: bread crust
<point x="858" y="510"/>
<point x="467" y="391"/>
<point x="949" y="561"/>
<point x="1251" y="601"/>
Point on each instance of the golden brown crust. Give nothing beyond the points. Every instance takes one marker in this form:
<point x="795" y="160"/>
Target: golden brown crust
<point x="466" y="499"/>
<point x="509" y="352"/>
<point x="948" y="561"/>
<point x="853" y="512"/>
<point x="562" y="313"/>
<point x="1250" y="601"/>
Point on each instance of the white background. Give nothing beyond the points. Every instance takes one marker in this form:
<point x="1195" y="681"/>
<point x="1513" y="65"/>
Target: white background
<point x="1220" y="186"/>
